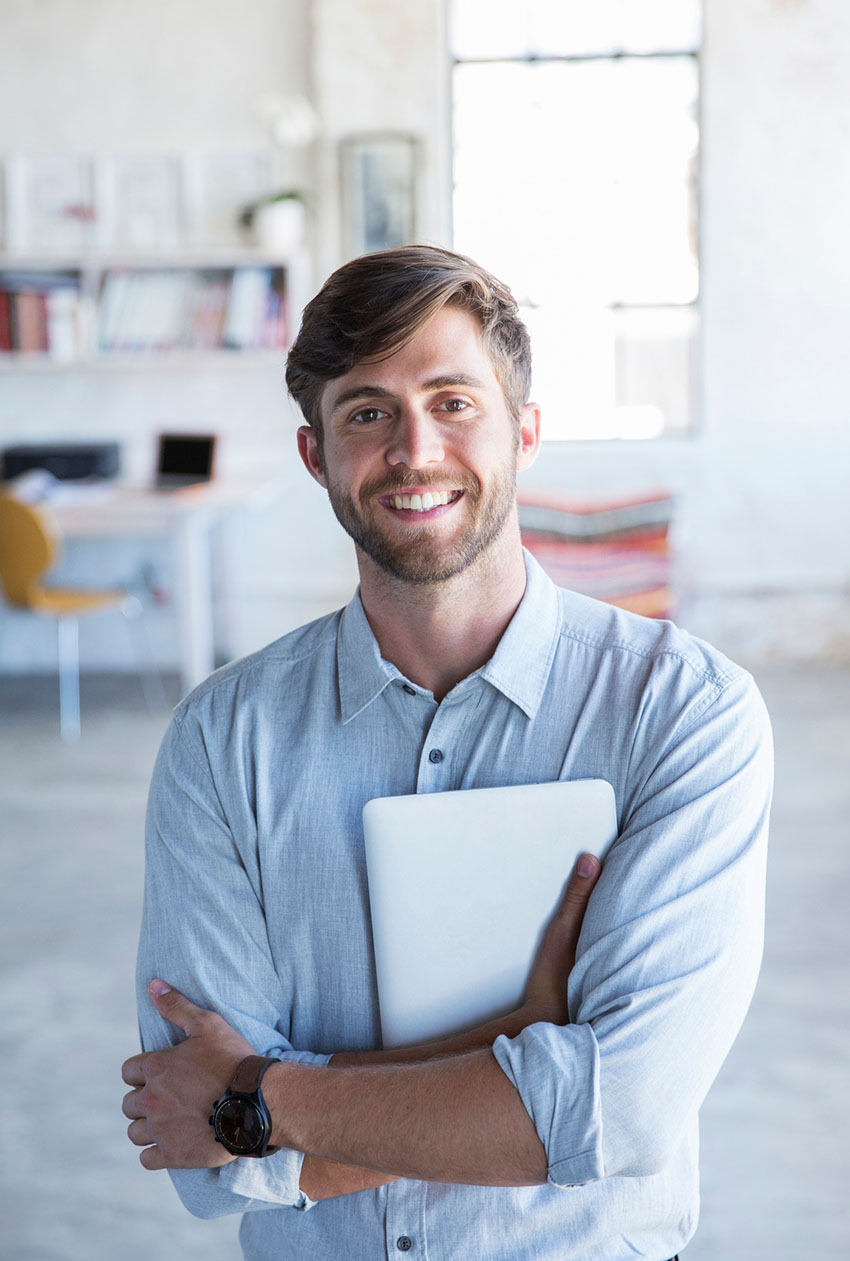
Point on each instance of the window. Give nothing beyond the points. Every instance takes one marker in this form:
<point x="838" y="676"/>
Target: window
<point x="576" y="134"/>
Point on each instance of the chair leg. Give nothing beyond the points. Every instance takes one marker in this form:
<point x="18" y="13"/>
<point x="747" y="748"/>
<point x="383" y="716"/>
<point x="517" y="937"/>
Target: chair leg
<point x="68" y="642"/>
<point x="134" y="615"/>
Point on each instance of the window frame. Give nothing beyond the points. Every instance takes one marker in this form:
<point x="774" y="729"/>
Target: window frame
<point x="695" y="426"/>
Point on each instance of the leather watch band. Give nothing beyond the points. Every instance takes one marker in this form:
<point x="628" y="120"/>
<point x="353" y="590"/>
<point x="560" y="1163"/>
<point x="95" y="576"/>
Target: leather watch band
<point x="249" y="1073"/>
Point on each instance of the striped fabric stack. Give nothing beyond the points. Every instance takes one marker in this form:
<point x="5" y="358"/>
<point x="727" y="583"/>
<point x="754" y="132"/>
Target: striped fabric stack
<point x="617" y="552"/>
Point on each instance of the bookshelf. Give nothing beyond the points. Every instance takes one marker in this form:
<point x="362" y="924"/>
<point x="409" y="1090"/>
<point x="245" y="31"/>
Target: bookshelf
<point x="136" y="311"/>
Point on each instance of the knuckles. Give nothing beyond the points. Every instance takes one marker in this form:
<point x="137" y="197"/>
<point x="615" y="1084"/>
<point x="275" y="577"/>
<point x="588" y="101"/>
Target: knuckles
<point x="154" y="1064"/>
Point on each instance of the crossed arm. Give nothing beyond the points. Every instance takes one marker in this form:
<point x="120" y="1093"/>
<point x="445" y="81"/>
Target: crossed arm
<point x="444" y="1111"/>
<point x="670" y="953"/>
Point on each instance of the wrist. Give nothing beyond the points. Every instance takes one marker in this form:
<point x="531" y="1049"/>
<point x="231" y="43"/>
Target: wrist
<point x="241" y="1119"/>
<point x="280" y="1092"/>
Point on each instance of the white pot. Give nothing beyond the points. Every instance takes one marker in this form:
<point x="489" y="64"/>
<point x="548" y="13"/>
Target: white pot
<point x="278" y="227"/>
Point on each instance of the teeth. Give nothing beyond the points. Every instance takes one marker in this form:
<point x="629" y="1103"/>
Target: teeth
<point x="423" y="503"/>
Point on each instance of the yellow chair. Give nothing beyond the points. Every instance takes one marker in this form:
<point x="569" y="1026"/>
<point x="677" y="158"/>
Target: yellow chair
<point x="29" y="546"/>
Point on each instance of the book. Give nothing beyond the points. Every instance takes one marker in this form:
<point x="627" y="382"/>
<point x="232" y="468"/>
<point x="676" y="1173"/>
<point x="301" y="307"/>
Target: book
<point x="6" y="342"/>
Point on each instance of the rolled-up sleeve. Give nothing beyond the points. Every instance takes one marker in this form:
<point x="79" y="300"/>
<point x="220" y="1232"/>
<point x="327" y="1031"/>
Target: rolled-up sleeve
<point x="669" y="951"/>
<point x="204" y="932"/>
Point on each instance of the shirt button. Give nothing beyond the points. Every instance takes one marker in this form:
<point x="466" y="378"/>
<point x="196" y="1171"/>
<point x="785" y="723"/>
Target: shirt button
<point x="404" y="1243"/>
<point x="411" y="691"/>
<point x="436" y="755"/>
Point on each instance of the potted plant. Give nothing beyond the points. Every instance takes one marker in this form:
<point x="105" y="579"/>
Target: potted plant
<point x="276" y="222"/>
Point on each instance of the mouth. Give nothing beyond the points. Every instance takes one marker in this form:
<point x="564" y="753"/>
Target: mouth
<point x="428" y="503"/>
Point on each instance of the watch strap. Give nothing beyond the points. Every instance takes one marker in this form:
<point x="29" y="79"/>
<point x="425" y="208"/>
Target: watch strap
<point x="249" y="1073"/>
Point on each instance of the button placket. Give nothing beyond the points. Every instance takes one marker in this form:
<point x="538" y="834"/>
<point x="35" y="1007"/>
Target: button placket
<point x="436" y="760"/>
<point x="405" y="1226"/>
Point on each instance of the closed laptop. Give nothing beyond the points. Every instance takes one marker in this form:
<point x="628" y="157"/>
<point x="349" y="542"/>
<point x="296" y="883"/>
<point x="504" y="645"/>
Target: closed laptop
<point x="461" y="886"/>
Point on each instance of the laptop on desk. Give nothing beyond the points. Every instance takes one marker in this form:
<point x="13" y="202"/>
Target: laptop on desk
<point x="184" y="460"/>
<point x="461" y="887"/>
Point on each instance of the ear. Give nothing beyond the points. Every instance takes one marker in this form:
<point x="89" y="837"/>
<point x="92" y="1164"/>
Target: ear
<point x="308" y="449"/>
<point x="529" y="436"/>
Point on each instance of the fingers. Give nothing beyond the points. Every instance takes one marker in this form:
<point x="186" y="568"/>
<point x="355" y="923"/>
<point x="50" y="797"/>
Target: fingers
<point x="152" y="1158"/>
<point x="581" y="882"/>
<point x="133" y="1070"/>
<point x="132" y="1106"/>
<point x="545" y="996"/>
<point x="175" y="1006"/>
<point x="140" y="1132"/>
<point x="563" y="933"/>
<point x="568" y="921"/>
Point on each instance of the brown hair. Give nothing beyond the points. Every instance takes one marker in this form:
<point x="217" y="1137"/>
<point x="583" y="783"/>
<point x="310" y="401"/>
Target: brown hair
<point x="371" y="307"/>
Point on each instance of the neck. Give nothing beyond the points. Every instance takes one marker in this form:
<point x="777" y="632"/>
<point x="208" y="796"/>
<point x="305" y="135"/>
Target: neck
<point x="438" y="633"/>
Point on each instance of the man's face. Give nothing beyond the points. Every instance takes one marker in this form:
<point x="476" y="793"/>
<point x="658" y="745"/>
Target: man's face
<point x="420" y="453"/>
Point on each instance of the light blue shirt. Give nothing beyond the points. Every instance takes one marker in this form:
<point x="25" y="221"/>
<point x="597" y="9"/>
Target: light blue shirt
<point x="256" y="905"/>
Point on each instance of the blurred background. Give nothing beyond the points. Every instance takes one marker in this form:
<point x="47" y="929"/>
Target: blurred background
<point x="666" y="188"/>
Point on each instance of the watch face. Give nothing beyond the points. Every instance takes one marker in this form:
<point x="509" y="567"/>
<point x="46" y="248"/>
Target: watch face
<point x="240" y="1125"/>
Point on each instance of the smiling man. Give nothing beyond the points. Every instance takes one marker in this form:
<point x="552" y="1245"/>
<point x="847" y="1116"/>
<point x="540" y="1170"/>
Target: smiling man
<point x="447" y="517"/>
<point x="562" y="1130"/>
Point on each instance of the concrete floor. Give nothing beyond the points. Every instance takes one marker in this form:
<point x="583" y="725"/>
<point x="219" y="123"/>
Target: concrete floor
<point x="776" y="1158"/>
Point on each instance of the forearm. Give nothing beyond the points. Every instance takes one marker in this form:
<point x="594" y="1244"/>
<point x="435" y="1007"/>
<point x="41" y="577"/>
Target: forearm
<point x="454" y="1118"/>
<point x="447" y="1120"/>
<point x="472" y="1040"/>
<point x="324" y="1179"/>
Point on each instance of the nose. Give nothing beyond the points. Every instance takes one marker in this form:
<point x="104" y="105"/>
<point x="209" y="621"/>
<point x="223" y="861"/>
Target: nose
<point x="416" y="440"/>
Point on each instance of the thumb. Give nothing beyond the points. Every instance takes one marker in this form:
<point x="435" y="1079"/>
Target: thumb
<point x="581" y="882"/>
<point x="174" y="1006"/>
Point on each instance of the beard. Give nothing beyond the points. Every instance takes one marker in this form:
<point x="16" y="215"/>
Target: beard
<point x="426" y="557"/>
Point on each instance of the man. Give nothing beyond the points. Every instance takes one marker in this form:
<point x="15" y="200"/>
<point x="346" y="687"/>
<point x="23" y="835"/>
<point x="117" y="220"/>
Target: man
<point x="552" y="1133"/>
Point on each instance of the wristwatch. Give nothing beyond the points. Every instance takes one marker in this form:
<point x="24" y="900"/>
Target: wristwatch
<point x="240" y="1118"/>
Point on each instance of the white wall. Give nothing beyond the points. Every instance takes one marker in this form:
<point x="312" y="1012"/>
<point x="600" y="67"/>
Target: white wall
<point x="96" y="77"/>
<point x="382" y="66"/>
<point x="765" y="517"/>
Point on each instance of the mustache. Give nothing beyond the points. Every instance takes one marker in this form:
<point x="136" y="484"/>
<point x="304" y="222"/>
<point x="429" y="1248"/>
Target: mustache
<point x="406" y="479"/>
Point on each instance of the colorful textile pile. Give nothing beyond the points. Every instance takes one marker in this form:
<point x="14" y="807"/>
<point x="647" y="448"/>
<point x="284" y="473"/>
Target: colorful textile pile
<point x="618" y="552"/>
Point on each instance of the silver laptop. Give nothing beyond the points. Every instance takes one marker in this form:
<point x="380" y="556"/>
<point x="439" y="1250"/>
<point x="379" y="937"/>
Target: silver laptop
<point x="461" y="886"/>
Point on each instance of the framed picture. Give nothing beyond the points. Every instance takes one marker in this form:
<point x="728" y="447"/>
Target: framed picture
<point x="379" y="178"/>
<point x="140" y="202"/>
<point x="51" y="207"/>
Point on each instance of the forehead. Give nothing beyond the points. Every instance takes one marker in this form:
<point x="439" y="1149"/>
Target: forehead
<point x="446" y="346"/>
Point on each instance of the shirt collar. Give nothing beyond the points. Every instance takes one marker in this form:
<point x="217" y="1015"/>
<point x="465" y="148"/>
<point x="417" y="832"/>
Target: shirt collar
<point x="519" y="668"/>
<point x="521" y="664"/>
<point x="362" y="671"/>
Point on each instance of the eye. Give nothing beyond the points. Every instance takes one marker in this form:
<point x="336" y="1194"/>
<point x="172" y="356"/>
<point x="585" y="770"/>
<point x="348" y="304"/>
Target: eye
<point x="455" y="405"/>
<point x="367" y="416"/>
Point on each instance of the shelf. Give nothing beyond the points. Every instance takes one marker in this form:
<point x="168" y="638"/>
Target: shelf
<point x="148" y="362"/>
<point x="180" y="260"/>
<point x="170" y="310"/>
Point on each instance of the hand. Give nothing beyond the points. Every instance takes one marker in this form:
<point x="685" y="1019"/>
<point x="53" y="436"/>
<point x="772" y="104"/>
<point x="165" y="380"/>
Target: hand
<point x="174" y="1089"/>
<point x="545" y="995"/>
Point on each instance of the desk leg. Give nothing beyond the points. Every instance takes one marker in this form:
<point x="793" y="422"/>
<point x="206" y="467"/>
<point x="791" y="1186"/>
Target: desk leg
<point x="194" y="598"/>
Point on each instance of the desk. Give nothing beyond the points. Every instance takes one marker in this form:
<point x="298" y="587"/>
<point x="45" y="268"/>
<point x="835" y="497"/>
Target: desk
<point x="186" y="518"/>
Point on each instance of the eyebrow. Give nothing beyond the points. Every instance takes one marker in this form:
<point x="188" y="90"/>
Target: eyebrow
<point x="446" y="381"/>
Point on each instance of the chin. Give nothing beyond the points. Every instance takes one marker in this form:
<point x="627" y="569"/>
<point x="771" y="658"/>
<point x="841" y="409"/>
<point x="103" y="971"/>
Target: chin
<point x="423" y="559"/>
